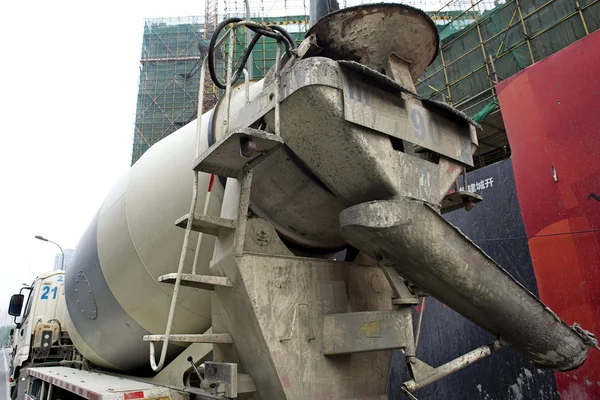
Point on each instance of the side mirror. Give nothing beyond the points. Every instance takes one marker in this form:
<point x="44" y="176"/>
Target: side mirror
<point x="16" y="305"/>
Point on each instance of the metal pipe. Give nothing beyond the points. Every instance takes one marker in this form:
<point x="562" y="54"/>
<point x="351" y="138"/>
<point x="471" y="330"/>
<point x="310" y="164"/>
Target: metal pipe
<point x="578" y="8"/>
<point x="248" y="34"/>
<point x="229" y="82"/>
<point x="320" y="8"/>
<point x="435" y="256"/>
<point x="277" y="88"/>
<point x="62" y="261"/>
<point x="418" y="334"/>
<point x="453" y="366"/>
<point x="446" y="76"/>
<point x="479" y="102"/>
<point x="527" y="38"/>
<point x="485" y="61"/>
<point x="470" y="98"/>
<point x="246" y="85"/>
<point x="191" y="361"/>
<point x="506" y="30"/>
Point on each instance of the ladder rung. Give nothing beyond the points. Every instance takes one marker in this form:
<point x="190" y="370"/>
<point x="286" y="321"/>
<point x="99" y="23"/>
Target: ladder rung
<point x="206" y="224"/>
<point x="238" y="152"/>
<point x="205" y="338"/>
<point x="206" y="282"/>
<point x="364" y="331"/>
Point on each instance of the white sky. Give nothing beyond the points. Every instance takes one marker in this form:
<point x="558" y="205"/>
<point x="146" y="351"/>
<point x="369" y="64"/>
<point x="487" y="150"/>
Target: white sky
<point x="68" y="89"/>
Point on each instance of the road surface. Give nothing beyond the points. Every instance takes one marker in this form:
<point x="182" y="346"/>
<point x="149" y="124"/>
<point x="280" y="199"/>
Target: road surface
<point x="4" y="357"/>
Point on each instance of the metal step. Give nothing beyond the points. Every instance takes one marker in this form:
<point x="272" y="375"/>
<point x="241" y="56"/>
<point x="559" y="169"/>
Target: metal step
<point x="359" y="332"/>
<point x="220" y="338"/>
<point x="238" y="152"/>
<point x="207" y="224"/>
<point x="206" y="282"/>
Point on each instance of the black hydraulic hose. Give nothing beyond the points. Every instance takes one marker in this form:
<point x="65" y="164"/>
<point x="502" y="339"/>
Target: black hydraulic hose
<point x="285" y="33"/>
<point x="211" y="49"/>
<point x="280" y="34"/>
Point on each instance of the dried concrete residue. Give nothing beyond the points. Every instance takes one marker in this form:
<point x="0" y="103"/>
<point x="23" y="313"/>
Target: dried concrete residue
<point x="515" y="391"/>
<point x="484" y="395"/>
<point x="523" y="388"/>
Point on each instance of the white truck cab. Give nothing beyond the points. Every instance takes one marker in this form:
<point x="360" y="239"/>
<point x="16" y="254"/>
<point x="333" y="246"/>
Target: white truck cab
<point x="40" y="337"/>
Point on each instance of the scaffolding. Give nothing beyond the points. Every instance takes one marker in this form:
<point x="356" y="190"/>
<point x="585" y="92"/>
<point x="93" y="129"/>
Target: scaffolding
<point x="169" y="82"/>
<point x="487" y="41"/>
<point x="172" y="54"/>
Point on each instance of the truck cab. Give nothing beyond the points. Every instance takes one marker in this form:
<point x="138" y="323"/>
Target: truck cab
<point x="40" y="336"/>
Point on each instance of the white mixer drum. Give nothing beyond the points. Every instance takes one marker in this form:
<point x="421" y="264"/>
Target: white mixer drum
<point x="112" y="294"/>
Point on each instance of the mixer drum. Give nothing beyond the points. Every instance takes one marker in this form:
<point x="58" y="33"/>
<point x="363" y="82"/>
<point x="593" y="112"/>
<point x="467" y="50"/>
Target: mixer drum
<point x="112" y="294"/>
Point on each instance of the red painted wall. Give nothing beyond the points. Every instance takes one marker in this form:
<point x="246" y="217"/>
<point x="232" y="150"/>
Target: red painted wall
<point x="552" y="115"/>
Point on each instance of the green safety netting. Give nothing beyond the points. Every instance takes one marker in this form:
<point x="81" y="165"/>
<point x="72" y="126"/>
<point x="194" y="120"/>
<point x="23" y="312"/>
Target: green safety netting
<point x="466" y="77"/>
<point x="489" y="107"/>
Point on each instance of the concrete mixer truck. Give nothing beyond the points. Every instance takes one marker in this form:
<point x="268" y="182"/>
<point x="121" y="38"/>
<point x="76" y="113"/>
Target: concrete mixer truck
<point x="40" y="337"/>
<point x="210" y="270"/>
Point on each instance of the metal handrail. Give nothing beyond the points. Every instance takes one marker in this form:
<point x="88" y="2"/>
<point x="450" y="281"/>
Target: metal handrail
<point x="188" y="229"/>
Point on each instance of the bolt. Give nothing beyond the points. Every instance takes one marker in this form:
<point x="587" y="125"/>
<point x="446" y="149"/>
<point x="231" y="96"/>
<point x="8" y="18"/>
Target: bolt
<point x="468" y="205"/>
<point x="247" y="147"/>
<point x="262" y="237"/>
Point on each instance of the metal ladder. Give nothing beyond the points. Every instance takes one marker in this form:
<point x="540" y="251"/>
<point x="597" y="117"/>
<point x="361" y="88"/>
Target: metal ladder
<point x="233" y="156"/>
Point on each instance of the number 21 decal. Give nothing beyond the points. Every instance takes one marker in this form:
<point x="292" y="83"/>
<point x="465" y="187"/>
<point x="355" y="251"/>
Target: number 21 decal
<point x="46" y="291"/>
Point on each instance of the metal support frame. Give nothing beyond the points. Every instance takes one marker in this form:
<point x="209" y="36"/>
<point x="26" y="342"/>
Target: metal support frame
<point x="191" y="220"/>
<point x="424" y="375"/>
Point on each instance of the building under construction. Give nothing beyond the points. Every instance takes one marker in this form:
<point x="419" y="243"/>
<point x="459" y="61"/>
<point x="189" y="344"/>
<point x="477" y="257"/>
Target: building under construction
<point x="172" y="53"/>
